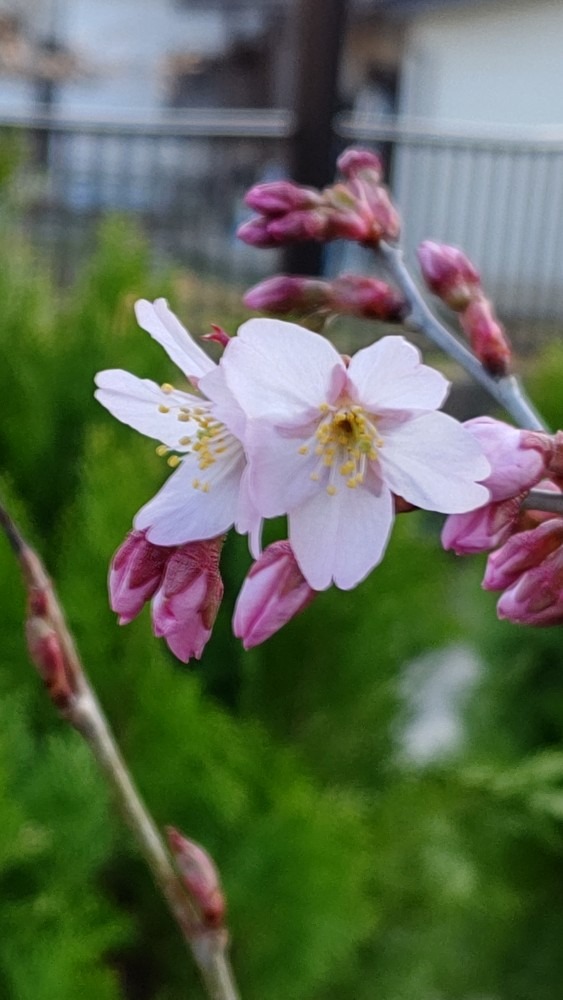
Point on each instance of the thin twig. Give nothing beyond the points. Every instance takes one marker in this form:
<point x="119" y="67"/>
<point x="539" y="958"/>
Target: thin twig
<point x="506" y="390"/>
<point x="54" y="652"/>
<point x="545" y="500"/>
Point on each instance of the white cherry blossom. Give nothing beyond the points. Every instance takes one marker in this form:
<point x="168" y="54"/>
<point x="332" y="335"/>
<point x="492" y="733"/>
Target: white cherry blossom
<point x="208" y="490"/>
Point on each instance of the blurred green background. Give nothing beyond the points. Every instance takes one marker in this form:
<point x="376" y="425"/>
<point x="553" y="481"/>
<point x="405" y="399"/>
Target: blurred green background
<point x="381" y="784"/>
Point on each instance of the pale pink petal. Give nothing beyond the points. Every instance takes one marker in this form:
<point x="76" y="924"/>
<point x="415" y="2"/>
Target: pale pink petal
<point x="225" y="407"/>
<point x="136" y="403"/>
<point x="279" y="474"/>
<point x="181" y="513"/>
<point x="389" y="375"/>
<point x="341" y="538"/>
<point x="280" y="370"/>
<point x="158" y="320"/>
<point x="248" y="520"/>
<point x="433" y="462"/>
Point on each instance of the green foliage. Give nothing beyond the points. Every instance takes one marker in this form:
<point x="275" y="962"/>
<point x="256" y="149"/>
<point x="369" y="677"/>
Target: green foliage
<point x="350" y="870"/>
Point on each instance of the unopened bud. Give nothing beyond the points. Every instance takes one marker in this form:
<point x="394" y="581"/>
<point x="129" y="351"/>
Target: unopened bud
<point x="299" y="226"/>
<point x="256" y="233"/>
<point x="287" y="293"/>
<point x="45" y="652"/>
<point x="449" y="274"/>
<point x="360" y="161"/>
<point x="281" y="197"/>
<point x="200" y="878"/>
<point x="274" y="591"/>
<point x="357" y="295"/>
<point x="487" y="336"/>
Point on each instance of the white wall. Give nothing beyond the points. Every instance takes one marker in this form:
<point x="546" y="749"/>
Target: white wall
<point x="493" y="65"/>
<point x="125" y="42"/>
<point x="492" y="62"/>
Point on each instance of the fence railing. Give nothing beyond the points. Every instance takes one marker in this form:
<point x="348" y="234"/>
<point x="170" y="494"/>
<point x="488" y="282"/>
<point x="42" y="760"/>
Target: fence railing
<point x="182" y="177"/>
<point x="496" y="192"/>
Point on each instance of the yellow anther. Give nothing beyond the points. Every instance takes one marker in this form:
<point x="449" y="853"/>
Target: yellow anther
<point x="184" y="417"/>
<point x="163" y="409"/>
<point x="347" y="469"/>
<point x="205" y="488"/>
<point x="167" y="388"/>
<point x="315" y="477"/>
<point x="331" y="490"/>
<point x="352" y="483"/>
<point x="162" y="450"/>
<point x="324" y="408"/>
<point x="304" y="450"/>
<point x="185" y="440"/>
<point x="174" y="461"/>
<point x="196" y="484"/>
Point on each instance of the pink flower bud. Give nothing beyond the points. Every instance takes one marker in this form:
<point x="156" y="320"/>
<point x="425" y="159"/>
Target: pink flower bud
<point x="521" y="552"/>
<point x="274" y="592"/>
<point x="186" y="603"/>
<point x="280" y="197"/>
<point x="357" y="295"/>
<point x="448" y="273"/>
<point x="47" y="655"/>
<point x="360" y="161"/>
<point x="135" y="573"/>
<point x="362" y="212"/>
<point x="286" y="293"/>
<point x="487" y="336"/>
<point x="200" y="877"/>
<point x="482" y="529"/>
<point x="536" y="596"/>
<point x="296" y="227"/>
<point x="517" y="458"/>
<point x="256" y="233"/>
<point x="385" y="221"/>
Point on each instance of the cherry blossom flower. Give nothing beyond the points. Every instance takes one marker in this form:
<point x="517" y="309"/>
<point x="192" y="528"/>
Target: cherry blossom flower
<point x="329" y="443"/>
<point x="208" y="491"/>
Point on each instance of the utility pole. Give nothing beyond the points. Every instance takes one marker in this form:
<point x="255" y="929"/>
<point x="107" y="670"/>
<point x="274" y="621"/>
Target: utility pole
<point x="320" y="27"/>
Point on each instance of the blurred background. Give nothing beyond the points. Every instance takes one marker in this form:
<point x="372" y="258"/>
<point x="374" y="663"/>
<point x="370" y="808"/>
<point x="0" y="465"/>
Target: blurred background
<point x="382" y="783"/>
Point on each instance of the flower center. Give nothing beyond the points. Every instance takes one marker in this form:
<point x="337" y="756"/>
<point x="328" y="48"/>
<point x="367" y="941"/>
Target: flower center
<point x="209" y="438"/>
<point x="346" y="439"/>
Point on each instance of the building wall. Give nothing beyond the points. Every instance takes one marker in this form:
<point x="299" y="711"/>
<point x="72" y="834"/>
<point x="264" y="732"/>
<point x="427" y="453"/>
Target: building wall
<point x="124" y="45"/>
<point x="491" y="65"/>
<point x="491" y="62"/>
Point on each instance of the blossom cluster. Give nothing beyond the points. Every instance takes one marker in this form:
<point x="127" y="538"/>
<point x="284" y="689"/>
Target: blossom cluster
<point x="283" y="425"/>
<point x="526" y="545"/>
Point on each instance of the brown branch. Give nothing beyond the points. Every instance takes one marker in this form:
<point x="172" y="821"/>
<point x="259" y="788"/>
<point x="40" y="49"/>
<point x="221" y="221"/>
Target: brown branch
<point x="53" y="651"/>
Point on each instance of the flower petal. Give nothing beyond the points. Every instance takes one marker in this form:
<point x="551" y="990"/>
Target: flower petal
<point x="341" y="538"/>
<point x="159" y="320"/>
<point x="389" y="375"/>
<point x="279" y="474"/>
<point x="136" y="402"/>
<point x="433" y="462"/>
<point x="181" y="513"/>
<point x="280" y="370"/>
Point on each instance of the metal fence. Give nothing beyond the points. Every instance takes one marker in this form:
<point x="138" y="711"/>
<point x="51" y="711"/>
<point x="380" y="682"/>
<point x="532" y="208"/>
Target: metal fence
<point x="497" y="194"/>
<point x="182" y="178"/>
